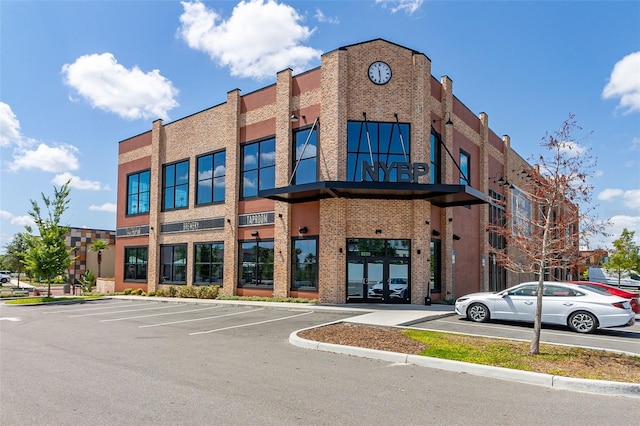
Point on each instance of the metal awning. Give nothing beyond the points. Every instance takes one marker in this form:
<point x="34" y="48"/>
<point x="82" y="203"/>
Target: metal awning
<point x="440" y="195"/>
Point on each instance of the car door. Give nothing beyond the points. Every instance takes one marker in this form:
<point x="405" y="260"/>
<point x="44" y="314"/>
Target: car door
<point x="557" y="302"/>
<point x="518" y="304"/>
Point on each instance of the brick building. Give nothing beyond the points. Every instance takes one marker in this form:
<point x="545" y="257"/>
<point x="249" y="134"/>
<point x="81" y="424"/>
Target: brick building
<point x="362" y="180"/>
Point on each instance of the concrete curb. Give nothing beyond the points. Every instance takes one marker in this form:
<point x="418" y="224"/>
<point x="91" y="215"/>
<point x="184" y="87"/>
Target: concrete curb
<point x="602" y="387"/>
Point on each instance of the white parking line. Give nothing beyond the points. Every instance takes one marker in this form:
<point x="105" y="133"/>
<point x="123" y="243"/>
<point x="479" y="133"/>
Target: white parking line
<point x="157" y="315"/>
<point x="64" y="311"/>
<point x="199" y="319"/>
<point x="126" y="310"/>
<point x="250" y="324"/>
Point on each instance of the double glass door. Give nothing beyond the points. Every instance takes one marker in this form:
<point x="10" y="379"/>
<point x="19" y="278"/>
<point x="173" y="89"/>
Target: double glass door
<point x="378" y="271"/>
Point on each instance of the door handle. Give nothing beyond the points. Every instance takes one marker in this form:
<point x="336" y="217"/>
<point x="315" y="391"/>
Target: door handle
<point x="528" y="303"/>
<point x="568" y="304"/>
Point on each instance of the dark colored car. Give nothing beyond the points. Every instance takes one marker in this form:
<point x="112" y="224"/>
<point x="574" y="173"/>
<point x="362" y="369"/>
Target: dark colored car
<point x="634" y="298"/>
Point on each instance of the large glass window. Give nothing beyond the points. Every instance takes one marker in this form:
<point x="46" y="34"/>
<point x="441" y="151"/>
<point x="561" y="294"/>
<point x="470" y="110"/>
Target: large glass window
<point x="173" y="260"/>
<point x="465" y="168"/>
<point x="211" y="178"/>
<point x="497" y="273"/>
<point x="138" y="193"/>
<point x="209" y="263"/>
<point x="175" y="186"/>
<point x="258" y="167"/>
<point x="434" y="162"/>
<point x="522" y="212"/>
<point x="435" y="279"/>
<point x="306" y="149"/>
<point x="256" y="264"/>
<point x="304" y="270"/>
<point x="135" y="263"/>
<point x="373" y="143"/>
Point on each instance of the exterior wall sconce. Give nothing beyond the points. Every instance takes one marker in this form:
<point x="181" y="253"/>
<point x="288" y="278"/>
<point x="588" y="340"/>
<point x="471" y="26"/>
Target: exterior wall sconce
<point x="378" y="231"/>
<point x="447" y="123"/>
<point x="426" y="222"/>
<point x="456" y="237"/>
<point x="418" y="251"/>
<point x="340" y="250"/>
<point x="303" y="230"/>
<point x="450" y="219"/>
<point x="280" y="215"/>
<point x="255" y="233"/>
<point x="229" y="221"/>
<point x="435" y="233"/>
<point x="294" y="118"/>
<point x="501" y="180"/>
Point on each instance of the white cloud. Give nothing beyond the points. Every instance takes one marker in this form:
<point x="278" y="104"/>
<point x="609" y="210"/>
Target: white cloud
<point x="106" y="207"/>
<point x="635" y="144"/>
<point x="129" y="93"/>
<point x="321" y="17"/>
<point x="624" y="83"/>
<point x="50" y="159"/>
<point x="260" y="38"/>
<point x="23" y="221"/>
<point x="572" y="148"/>
<point x="5" y="214"/>
<point x="407" y="6"/>
<point x="609" y="194"/>
<point x="631" y="199"/>
<point x="78" y="183"/>
<point x="9" y="126"/>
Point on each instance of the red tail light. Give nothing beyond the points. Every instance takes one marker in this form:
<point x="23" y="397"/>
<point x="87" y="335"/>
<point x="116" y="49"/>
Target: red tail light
<point x="620" y="305"/>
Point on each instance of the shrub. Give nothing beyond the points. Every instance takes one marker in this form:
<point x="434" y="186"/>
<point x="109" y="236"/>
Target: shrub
<point x="188" y="292"/>
<point x="161" y="292"/>
<point x="88" y="280"/>
<point x="127" y="291"/>
<point x="151" y="293"/>
<point x="173" y="292"/>
<point x="208" y="292"/>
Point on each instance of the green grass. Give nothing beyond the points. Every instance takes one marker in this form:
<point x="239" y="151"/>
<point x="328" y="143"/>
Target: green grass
<point x="45" y="299"/>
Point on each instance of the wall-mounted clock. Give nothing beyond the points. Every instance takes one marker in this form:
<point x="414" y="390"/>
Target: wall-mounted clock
<point x="379" y="72"/>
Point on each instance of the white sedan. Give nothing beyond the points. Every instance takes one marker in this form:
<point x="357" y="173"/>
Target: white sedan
<point x="578" y="307"/>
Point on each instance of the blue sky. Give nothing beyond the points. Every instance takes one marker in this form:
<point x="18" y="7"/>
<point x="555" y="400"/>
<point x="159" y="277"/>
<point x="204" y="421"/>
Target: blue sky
<point x="77" y="77"/>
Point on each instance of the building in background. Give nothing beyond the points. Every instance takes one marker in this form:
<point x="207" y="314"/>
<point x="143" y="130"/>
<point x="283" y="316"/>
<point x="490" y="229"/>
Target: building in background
<point x="80" y="240"/>
<point x="363" y="180"/>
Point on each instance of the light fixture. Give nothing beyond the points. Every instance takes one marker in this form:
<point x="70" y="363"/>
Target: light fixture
<point x="456" y="237"/>
<point x="255" y="234"/>
<point x="426" y="222"/>
<point x="447" y="123"/>
<point x="303" y="230"/>
<point x="418" y="251"/>
<point x="435" y="233"/>
<point x="228" y="220"/>
<point x="450" y="219"/>
<point x="293" y="118"/>
<point x="378" y="231"/>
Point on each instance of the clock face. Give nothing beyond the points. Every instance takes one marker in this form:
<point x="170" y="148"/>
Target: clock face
<point x="379" y="72"/>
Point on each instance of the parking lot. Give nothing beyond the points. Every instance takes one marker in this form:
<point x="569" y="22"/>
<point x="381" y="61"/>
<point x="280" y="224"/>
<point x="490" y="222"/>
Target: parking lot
<point x="149" y="362"/>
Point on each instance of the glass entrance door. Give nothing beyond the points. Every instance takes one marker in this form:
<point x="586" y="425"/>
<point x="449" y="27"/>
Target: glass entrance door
<point x="378" y="271"/>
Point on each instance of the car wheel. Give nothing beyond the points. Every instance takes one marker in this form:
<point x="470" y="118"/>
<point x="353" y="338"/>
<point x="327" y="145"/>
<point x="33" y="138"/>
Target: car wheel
<point x="583" y="322"/>
<point x="4" y="280"/>
<point x="477" y="312"/>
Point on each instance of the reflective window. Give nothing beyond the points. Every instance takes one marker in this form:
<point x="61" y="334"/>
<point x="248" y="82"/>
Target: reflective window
<point x="135" y="263"/>
<point x="209" y="263"/>
<point x="434" y="162"/>
<point x="211" y="178"/>
<point x="304" y="270"/>
<point x="258" y="167"/>
<point x="373" y="143"/>
<point x="175" y="186"/>
<point x="465" y="165"/>
<point x="522" y="212"/>
<point x="435" y="278"/>
<point x="138" y="190"/>
<point x="256" y="264"/>
<point x="306" y="149"/>
<point x="173" y="261"/>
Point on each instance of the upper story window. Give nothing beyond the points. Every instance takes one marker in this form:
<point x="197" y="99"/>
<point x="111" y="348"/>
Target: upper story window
<point x="175" y="185"/>
<point x="465" y="168"/>
<point x="258" y="167"/>
<point x="376" y="143"/>
<point x="434" y="161"/>
<point x="211" y="178"/>
<point x="306" y="149"/>
<point x="138" y="190"/>
<point x="522" y="212"/>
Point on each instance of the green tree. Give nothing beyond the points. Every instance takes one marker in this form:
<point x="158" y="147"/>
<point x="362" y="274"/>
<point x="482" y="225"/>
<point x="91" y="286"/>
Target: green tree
<point x="47" y="255"/>
<point x="625" y="255"/>
<point x="98" y="246"/>
<point x="16" y="250"/>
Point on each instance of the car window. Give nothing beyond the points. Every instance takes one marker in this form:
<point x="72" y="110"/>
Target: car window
<point x="594" y="288"/>
<point x="558" y="291"/>
<point x="525" y="290"/>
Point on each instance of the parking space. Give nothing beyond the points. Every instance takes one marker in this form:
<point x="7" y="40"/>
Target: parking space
<point x="625" y="339"/>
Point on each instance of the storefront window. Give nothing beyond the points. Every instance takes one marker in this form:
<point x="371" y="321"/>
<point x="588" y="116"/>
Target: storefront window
<point x="209" y="264"/>
<point x="256" y="264"/>
<point x="135" y="263"/>
<point x="173" y="260"/>
<point x="304" y="270"/>
<point x="175" y="186"/>
<point x="435" y="279"/>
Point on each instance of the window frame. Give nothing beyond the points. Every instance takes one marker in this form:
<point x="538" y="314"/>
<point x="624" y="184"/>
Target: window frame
<point x="213" y="178"/>
<point x="165" y="167"/>
<point x="256" y="262"/>
<point x="304" y="161"/>
<point x="211" y="262"/>
<point x="295" y="266"/>
<point x="465" y="171"/>
<point x="435" y="157"/>
<point x="259" y="169"/>
<point x="148" y="192"/>
<point x="127" y="265"/>
<point x="172" y="279"/>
